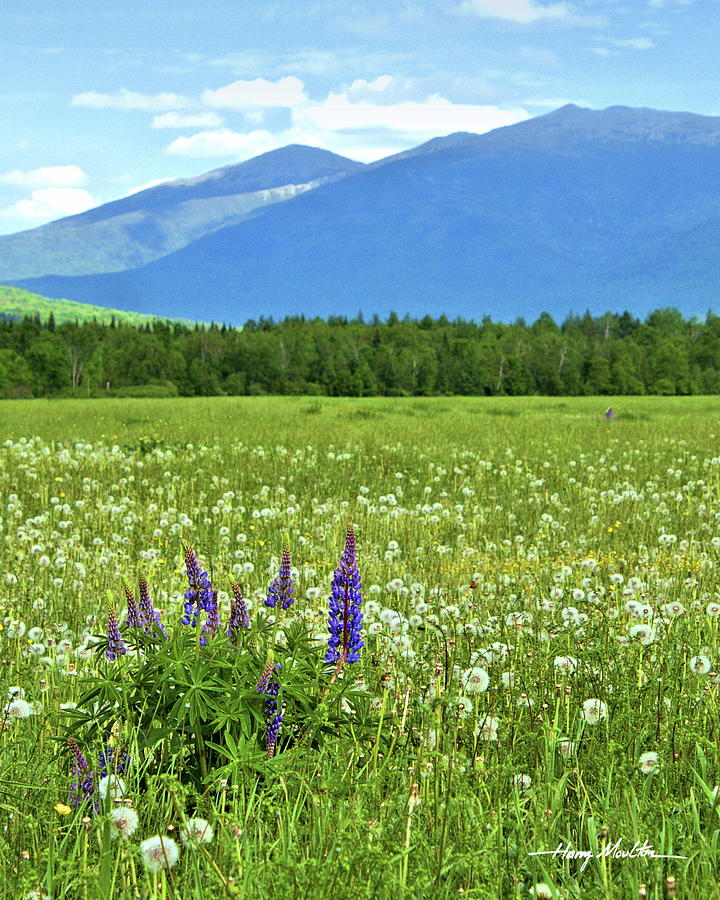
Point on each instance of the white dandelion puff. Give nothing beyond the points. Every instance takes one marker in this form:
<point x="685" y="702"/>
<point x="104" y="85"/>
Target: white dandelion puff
<point x="195" y="832"/>
<point x="159" y="853"/>
<point x="593" y="711"/>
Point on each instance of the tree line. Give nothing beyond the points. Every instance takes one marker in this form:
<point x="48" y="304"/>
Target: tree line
<point x="584" y="355"/>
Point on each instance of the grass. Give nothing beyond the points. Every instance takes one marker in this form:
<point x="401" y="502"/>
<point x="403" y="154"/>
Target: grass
<point x="501" y="534"/>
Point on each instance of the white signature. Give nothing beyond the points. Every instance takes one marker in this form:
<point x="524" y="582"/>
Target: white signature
<point x="609" y="851"/>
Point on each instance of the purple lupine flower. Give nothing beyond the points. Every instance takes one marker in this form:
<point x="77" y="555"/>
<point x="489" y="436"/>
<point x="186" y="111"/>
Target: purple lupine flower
<point x="198" y="596"/>
<point x="84" y="785"/>
<point x="345" y="619"/>
<point x="149" y="615"/>
<point x="111" y="763"/>
<point x="134" y="619"/>
<point x="239" y="614"/>
<point x="273" y="716"/>
<point x="212" y="623"/>
<point x="609" y="413"/>
<point x="281" y="590"/>
<point x="116" y="645"/>
<point x="262" y="685"/>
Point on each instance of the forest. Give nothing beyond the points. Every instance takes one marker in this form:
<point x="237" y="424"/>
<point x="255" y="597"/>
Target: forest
<point x="612" y="354"/>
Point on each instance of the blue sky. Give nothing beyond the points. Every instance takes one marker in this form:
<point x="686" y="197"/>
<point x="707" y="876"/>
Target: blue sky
<point x="99" y="99"/>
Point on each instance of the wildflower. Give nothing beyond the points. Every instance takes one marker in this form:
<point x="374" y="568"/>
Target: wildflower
<point x="487" y="730"/>
<point x="700" y="665"/>
<point x="648" y="762"/>
<point x="133" y="619"/>
<point x="273" y="716"/>
<point x="281" y="590"/>
<point x="239" y="615"/>
<point x="18" y="709"/>
<point x="111" y="786"/>
<point x="345" y="619"/>
<point x="15" y="692"/>
<point x="112" y="762"/>
<point x="195" y="832"/>
<point x="522" y="782"/>
<point x="116" y="646"/>
<point x="541" y="890"/>
<point x="125" y="820"/>
<point x="593" y="711"/>
<point x="566" y="747"/>
<point x="82" y="773"/>
<point x="212" y="622"/>
<point x="198" y="596"/>
<point x="567" y="664"/>
<point x="159" y="853"/>
<point x="62" y="809"/>
<point x="475" y="680"/>
<point x="148" y="614"/>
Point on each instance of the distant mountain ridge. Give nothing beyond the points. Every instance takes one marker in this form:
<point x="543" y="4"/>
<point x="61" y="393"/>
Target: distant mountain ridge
<point x="576" y="209"/>
<point x="144" y="226"/>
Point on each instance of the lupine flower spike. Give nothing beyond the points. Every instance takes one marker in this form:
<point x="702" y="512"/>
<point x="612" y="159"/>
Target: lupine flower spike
<point x="345" y="620"/>
<point x="212" y="623"/>
<point x="149" y="615"/>
<point x="280" y="593"/>
<point x="273" y="717"/>
<point x="134" y="619"/>
<point x="239" y="615"/>
<point x="116" y="645"/>
<point x="83" y="785"/>
<point x="199" y="595"/>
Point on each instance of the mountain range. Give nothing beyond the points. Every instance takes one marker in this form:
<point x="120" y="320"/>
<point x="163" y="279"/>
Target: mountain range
<point x="577" y="209"/>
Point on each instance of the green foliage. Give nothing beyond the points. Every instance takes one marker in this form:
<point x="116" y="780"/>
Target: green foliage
<point x="171" y="697"/>
<point x="16" y="303"/>
<point x="611" y="355"/>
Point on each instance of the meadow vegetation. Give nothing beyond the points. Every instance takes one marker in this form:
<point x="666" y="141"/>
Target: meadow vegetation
<point x="540" y="664"/>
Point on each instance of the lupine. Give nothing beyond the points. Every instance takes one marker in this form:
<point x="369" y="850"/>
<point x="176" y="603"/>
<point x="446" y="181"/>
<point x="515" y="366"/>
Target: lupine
<point x="134" y="619"/>
<point x="262" y="685"/>
<point x="280" y="593"/>
<point x="212" y="623"/>
<point x="84" y="785"/>
<point x="345" y="619"/>
<point x="116" y="645"/>
<point x="239" y="615"/>
<point x="273" y="716"/>
<point x="199" y="595"/>
<point x="150" y="616"/>
<point x="112" y="763"/>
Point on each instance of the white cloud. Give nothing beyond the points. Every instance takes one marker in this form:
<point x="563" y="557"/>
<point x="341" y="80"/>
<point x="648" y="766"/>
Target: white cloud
<point x="640" y="43"/>
<point x="51" y="203"/>
<point x="258" y="94"/>
<point x="187" y="120"/>
<point x="433" y="116"/>
<point x="130" y="100"/>
<point x="224" y="142"/>
<point x="46" y="176"/>
<point x="525" y="12"/>
<point x="361" y="130"/>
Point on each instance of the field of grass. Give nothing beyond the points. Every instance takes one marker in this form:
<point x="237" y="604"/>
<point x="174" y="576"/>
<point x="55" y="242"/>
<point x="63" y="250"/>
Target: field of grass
<point x="540" y="669"/>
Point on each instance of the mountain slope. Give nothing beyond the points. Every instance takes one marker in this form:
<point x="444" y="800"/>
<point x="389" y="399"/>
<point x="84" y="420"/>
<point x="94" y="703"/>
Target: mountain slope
<point x="134" y="230"/>
<point x="17" y="304"/>
<point x="579" y="208"/>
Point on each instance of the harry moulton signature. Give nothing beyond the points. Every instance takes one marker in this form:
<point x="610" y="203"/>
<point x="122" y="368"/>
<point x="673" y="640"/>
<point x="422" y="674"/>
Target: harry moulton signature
<point x="609" y="851"/>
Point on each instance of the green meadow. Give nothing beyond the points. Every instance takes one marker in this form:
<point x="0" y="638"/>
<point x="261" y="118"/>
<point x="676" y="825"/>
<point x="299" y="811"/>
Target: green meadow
<point x="535" y="709"/>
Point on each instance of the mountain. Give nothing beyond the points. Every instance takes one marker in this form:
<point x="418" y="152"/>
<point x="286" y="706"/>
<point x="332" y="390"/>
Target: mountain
<point x="577" y="209"/>
<point x="137" y="229"/>
<point x="17" y="304"/>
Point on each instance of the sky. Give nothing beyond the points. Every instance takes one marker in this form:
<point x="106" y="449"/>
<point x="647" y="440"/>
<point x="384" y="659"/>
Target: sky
<point x="99" y="98"/>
